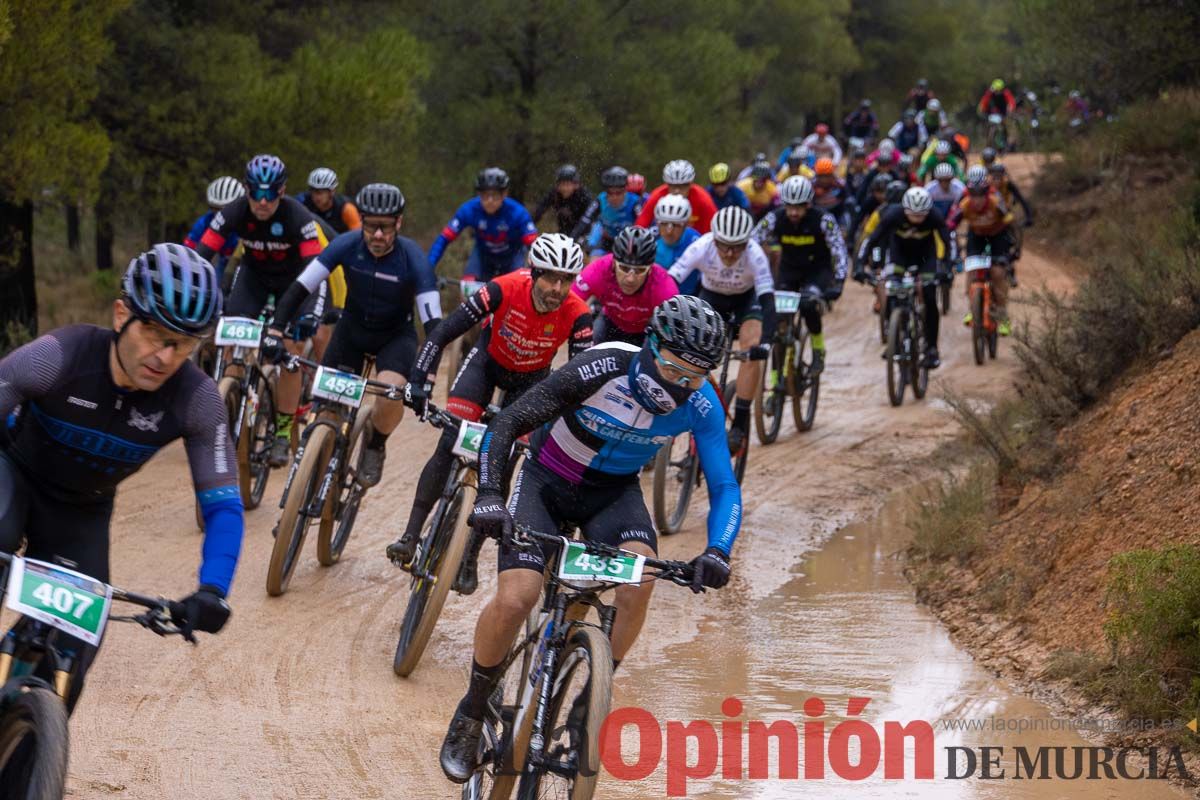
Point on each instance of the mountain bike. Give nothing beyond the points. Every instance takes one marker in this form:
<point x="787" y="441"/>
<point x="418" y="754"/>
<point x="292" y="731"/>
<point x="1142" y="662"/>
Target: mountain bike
<point x="905" y="352"/>
<point x="997" y="133"/>
<point x="984" y="334"/>
<point x="439" y="554"/>
<point x="788" y="373"/>
<point x="53" y="600"/>
<point x="322" y="485"/>
<point x="548" y="742"/>
<point x="458" y="350"/>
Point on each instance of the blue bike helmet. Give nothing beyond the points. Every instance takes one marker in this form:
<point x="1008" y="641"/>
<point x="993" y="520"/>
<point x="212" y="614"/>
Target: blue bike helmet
<point x="265" y="172"/>
<point x="174" y="286"/>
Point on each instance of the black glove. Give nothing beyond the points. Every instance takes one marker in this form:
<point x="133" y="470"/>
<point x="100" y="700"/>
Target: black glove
<point x="203" y="610"/>
<point x="712" y="570"/>
<point x="760" y="351"/>
<point x="272" y="348"/>
<point x="832" y="293"/>
<point x="415" y="397"/>
<point x="331" y="317"/>
<point x="490" y="516"/>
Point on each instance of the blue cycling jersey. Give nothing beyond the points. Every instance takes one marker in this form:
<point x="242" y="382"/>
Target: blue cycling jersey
<point x="499" y="235"/>
<point x="612" y="219"/>
<point x="733" y="197"/>
<point x="666" y="254"/>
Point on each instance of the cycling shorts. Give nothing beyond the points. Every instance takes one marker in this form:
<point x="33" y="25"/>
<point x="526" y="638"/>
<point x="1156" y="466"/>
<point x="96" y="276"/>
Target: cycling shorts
<point x="743" y="306"/>
<point x="821" y="277"/>
<point x="478" y="379"/>
<point x="545" y="502"/>
<point x="1001" y="243"/>
<point x="251" y="291"/>
<point x="395" y="349"/>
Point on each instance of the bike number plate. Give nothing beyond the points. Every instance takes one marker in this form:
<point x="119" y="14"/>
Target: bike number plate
<point x="973" y="263"/>
<point x="340" y="387"/>
<point x="62" y="598"/>
<point x="577" y="564"/>
<point x="239" y="332"/>
<point x="787" y="302"/>
<point x="469" y="287"/>
<point x="995" y="119"/>
<point x="469" y="440"/>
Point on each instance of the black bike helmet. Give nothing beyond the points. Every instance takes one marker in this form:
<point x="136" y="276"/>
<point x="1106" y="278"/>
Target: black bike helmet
<point x="880" y="182"/>
<point x="614" y="178"/>
<point x="895" y="191"/>
<point x="491" y="178"/>
<point x="988" y="155"/>
<point x="635" y="246"/>
<point x="380" y="200"/>
<point x="174" y="286"/>
<point x="688" y="326"/>
<point x="567" y="172"/>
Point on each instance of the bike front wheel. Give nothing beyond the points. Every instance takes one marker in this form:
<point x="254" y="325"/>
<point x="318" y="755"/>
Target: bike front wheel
<point x="676" y="474"/>
<point x="33" y="745"/>
<point x="739" y="458"/>
<point x="770" y="398"/>
<point x="804" y="388"/>
<point x="293" y="522"/>
<point x="257" y="437"/>
<point x="337" y="523"/>
<point x="978" y="331"/>
<point x="897" y="355"/>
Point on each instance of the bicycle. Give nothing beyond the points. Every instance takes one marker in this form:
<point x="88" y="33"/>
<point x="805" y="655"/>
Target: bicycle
<point x="322" y="483"/>
<point x="548" y="743"/>
<point x="789" y="376"/>
<point x="905" y="352"/>
<point x="458" y="350"/>
<point x="997" y="133"/>
<point x="439" y="553"/>
<point x="52" y="600"/>
<point x="984" y="331"/>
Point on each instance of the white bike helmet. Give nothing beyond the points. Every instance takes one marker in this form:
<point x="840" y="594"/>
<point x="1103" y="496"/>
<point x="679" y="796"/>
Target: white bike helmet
<point x="678" y="172"/>
<point x="672" y="208"/>
<point x="934" y="104"/>
<point x="556" y="252"/>
<point x="796" y="190"/>
<point x="322" y="178"/>
<point x="887" y="148"/>
<point x="942" y="148"/>
<point x="225" y="190"/>
<point x="943" y="172"/>
<point x="732" y="225"/>
<point x="917" y="200"/>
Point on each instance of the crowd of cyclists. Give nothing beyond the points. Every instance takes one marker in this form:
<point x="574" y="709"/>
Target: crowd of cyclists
<point x="647" y="289"/>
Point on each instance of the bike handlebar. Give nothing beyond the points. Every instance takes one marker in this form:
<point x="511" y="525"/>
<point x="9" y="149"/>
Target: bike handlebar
<point x="388" y="391"/>
<point x="678" y="572"/>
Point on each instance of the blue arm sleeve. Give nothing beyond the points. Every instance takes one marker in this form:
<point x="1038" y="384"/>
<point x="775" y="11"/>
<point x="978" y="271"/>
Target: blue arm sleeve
<point x="725" y="496"/>
<point x="223" y="526"/>
<point x="596" y="236"/>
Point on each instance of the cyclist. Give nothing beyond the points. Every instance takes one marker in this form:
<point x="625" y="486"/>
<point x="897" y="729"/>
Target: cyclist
<point x="886" y="155"/>
<point x="919" y="96"/>
<point x="793" y="146"/>
<point x="806" y="248"/>
<point x="875" y="197"/>
<point x="910" y="232"/>
<point x="609" y="213"/>
<point x="678" y="178"/>
<point x="221" y="192"/>
<point x="628" y="285"/>
<point x="533" y="311"/>
<point x="385" y="274"/>
<point x="674" y="236"/>
<point x="735" y="279"/>
<point x="1002" y="182"/>
<point x="335" y="210"/>
<point x="567" y="198"/>
<point x="588" y="450"/>
<point x="943" y="153"/>
<point x="906" y="170"/>
<point x="861" y="123"/>
<point x="945" y="189"/>
<point x="721" y="189"/>
<point x="988" y="223"/>
<point x="933" y="118"/>
<point x="998" y="100"/>
<point x="830" y="194"/>
<point x="855" y="178"/>
<point x="892" y="195"/>
<point x="797" y="164"/>
<point x="637" y="185"/>
<point x="279" y="237"/>
<point x="94" y="405"/>
<point x="909" y="132"/>
<point x="887" y="167"/>
<point x="503" y="229"/>
<point x="760" y="190"/>
<point x="987" y="156"/>
<point x="822" y="144"/>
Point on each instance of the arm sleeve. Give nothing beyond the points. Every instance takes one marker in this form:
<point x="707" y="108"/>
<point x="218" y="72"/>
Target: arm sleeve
<point x="567" y="386"/>
<point x="449" y="233"/>
<point x="542" y="205"/>
<point x="350" y="217"/>
<point x="306" y="283"/>
<point x="219" y="229"/>
<point x="1020" y="198"/>
<point x="704" y="208"/>
<point x="468" y="314"/>
<point x="764" y="231"/>
<point x="763" y="282"/>
<point x="836" y="244"/>
<point x="645" y="217"/>
<point x="30" y="371"/>
<point x="585" y="222"/>
<point x="211" y="457"/>
<point x="197" y="231"/>
<point x="725" y="496"/>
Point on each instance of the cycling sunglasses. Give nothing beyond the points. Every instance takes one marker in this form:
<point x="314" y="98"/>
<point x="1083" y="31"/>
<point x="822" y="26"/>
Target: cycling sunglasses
<point x="263" y="193"/>
<point x="631" y="269"/>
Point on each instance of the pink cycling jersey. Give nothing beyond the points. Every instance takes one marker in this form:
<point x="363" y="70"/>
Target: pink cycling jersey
<point x="628" y="312"/>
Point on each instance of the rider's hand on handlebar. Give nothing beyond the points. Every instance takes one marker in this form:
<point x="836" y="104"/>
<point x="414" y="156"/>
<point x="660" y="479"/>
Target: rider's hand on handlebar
<point x="203" y="610"/>
<point x="860" y="275"/>
<point x="712" y="570"/>
<point x="832" y="293"/>
<point x="760" y="351"/>
<point x="490" y="516"/>
<point x="415" y="397"/>
<point x="272" y="347"/>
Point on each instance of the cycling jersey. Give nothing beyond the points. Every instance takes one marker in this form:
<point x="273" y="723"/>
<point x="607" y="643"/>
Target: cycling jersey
<point x="628" y="312"/>
<point x="928" y="165"/>
<point x="277" y="247"/>
<point x="602" y="221"/>
<point x="499" y="235"/>
<point x="668" y="254"/>
<point x="197" y="231"/>
<point x="909" y="243"/>
<point x="703" y="208"/>
<point x="762" y="198"/>
<point x="1002" y="102"/>
<point x="907" y="137"/>
<point x="567" y="211"/>
<point x="945" y="199"/>
<point x="786" y="172"/>
<point x="861" y="124"/>
<point x="733" y="197"/>
<point x="1012" y="198"/>
<point x="809" y="249"/>
<point x="750" y="271"/>
<point x="77" y="435"/>
<point x="342" y="216"/>
<point x="380" y="291"/>
<point x="591" y="432"/>
<point x="985" y="216"/>
<point x="918" y="99"/>
<point x="823" y="147"/>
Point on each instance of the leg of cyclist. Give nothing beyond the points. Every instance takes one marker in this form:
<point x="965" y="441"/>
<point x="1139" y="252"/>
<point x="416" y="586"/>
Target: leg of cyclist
<point x="287" y="390"/>
<point x="1001" y="243"/>
<point x="932" y="316"/>
<point x="976" y="245"/>
<point x="747" y="378"/>
<point x="393" y="364"/>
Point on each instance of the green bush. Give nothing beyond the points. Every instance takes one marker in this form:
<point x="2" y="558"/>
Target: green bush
<point x="951" y="524"/>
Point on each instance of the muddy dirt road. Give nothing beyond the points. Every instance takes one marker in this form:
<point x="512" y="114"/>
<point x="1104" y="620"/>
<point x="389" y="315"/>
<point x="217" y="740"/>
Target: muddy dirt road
<point x="297" y="699"/>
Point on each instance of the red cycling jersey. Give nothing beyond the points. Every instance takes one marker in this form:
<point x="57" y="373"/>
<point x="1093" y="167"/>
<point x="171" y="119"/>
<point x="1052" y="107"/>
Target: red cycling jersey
<point x="523" y="340"/>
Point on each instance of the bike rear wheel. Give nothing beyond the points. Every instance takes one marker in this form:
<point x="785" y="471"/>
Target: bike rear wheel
<point x="440" y="555"/>
<point x="770" y="398"/>
<point x="896" y="356"/>
<point x="739" y="458"/>
<point x="676" y="474"/>
<point x="805" y="389"/>
<point x="978" y="332"/>
<point x="33" y="745"/>
<point x="293" y="523"/>
<point x="583" y="683"/>
<point x="335" y="532"/>
<point x="258" y="435"/>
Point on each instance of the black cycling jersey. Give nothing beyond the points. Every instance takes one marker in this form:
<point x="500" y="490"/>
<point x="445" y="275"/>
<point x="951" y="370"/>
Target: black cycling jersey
<point x="810" y="251"/>
<point x="278" y="246"/>
<point x="909" y="243"/>
<point x="567" y="211"/>
<point x="332" y="216"/>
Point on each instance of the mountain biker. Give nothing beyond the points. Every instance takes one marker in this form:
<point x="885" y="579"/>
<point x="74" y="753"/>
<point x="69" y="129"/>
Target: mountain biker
<point x="919" y="96"/>
<point x="988" y="222"/>
<point x="945" y="189"/>
<point x="609" y="214"/>
<point x="628" y="285"/>
<point x="943" y="153"/>
<point x="933" y="118"/>
<point x="678" y="178"/>
<point x="910" y="233"/>
<point x="336" y="210"/>
<point x="792" y="147"/>
<point x="567" y="198"/>
<point x="674" y="236"/>
<point x="95" y="405"/>
<point x="760" y="190"/>
<point x="909" y="132"/>
<point x="806" y="248"/>
<point x="987" y="156"/>
<point x="220" y="193"/>
<point x="597" y="421"/>
<point x="822" y="144"/>
<point x="722" y="191"/>
<point x="533" y="312"/>
<point x="1002" y="182"/>
<point x="503" y="229"/>
<point x="874" y="198"/>
<point x="855" y="177"/>
<point x="279" y="237"/>
<point x="637" y="185"/>
<point x="886" y="155"/>
<point x="797" y="164"/>
<point x="735" y="279"/>
<point x="887" y="167"/>
<point x="893" y="194"/>
<point x="386" y="274"/>
<point x="998" y="100"/>
<point x="861" y="123"/>
<point x="830" y="194"/>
